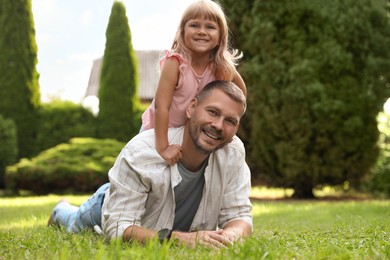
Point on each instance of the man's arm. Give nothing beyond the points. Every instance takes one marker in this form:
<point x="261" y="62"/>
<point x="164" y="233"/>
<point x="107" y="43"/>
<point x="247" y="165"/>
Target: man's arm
<point x="235" y="217"/>
<point x="213" y="239"/>
<point x="236" y="230"/>
<point x="233" y="231"/>
<point x="139" y="234"/>
<point x="209" y="238"/>
<point x="125" y="204"/>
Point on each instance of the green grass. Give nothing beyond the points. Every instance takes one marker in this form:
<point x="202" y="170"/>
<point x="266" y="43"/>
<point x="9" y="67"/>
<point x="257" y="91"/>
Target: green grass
<point x="283" y="229"/>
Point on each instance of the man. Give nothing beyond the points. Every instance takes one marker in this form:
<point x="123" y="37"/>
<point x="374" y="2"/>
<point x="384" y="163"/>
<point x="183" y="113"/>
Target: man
<point x="203" y="199"/>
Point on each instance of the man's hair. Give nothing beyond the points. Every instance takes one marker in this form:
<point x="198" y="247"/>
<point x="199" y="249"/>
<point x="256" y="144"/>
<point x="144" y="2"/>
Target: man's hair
<point x="228" y="87"/>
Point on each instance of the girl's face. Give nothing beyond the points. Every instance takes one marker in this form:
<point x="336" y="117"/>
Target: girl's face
<point x="201" y="35"/>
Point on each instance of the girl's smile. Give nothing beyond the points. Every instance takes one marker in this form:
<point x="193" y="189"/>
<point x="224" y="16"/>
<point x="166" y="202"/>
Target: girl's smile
<point x="201" y="35"/>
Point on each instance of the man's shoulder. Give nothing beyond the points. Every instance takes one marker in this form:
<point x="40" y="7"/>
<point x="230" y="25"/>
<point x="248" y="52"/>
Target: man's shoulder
<point x="148" y="136"/>
<point x="236" y="143"/>
<point x="144" y="138"/>
<point x="234" y="148"/>
<point x="141" y="149"/>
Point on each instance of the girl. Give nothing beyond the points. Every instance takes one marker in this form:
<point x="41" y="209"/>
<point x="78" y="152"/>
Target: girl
<point x="200" y="54"/>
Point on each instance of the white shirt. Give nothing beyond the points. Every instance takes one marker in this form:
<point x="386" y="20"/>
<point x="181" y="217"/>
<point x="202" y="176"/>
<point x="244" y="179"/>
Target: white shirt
<point x="141" y="188"/>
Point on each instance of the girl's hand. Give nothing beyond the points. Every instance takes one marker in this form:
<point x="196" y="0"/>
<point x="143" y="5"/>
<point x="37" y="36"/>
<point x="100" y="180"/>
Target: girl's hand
<point x="171" y="154"/>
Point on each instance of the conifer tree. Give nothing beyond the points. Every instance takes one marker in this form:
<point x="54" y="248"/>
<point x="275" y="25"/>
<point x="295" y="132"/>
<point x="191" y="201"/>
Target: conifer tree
<point x="118" y="98"/>
<point x="8" y="147"/>
<point x="317" y="74"/>
<point x="19" y="87"/>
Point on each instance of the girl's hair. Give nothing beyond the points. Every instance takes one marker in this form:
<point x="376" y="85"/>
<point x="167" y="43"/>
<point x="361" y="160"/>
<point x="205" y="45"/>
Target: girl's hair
<point x="225" y="59"/>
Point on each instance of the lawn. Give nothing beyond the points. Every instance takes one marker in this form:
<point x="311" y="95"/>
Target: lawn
<point x="283" y="229"/>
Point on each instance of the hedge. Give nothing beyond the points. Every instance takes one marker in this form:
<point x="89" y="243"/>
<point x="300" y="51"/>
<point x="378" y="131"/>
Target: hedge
<point x="79" y="166"/>
<point x="61" y="121"/>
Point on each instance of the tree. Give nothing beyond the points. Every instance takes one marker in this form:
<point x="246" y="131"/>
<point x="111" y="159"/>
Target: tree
<point x="19" y="87"/>
<point x="118" y="98"/>
<point x="317" y="74"/>
<point x="8" y="147"/>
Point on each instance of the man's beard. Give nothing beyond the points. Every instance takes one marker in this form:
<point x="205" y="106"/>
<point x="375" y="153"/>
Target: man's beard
<point x="195" y="133"/>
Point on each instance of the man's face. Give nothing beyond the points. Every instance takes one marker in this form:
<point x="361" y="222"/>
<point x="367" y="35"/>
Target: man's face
<point x="213" y="121"/>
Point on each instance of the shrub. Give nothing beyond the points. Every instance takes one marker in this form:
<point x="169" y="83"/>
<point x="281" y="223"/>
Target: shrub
<point x="8" y="147"/>
<point x="79" y="166"/>
<point x="379" y="181"/>
<point x="62" y="120"/>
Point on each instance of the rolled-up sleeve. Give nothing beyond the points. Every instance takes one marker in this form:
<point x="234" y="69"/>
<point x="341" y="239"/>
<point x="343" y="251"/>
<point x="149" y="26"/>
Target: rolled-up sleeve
<point x="140" y="191"/>
<point x="235" y="202"/>
<point x="125" y="201"/>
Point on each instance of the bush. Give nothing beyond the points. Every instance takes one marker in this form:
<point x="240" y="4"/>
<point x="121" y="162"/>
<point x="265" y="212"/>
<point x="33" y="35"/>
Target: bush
<point x="8" y="147"/>
<point x="62" y="120"/>
<point x="379" y="181"/>
<point x="79" y="166"/>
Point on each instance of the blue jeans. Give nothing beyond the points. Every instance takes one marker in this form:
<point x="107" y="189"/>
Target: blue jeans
<point x="76" y="219"/>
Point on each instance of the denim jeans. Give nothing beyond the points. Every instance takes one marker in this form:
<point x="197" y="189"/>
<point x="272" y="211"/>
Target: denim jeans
<point x="76" y="219"/>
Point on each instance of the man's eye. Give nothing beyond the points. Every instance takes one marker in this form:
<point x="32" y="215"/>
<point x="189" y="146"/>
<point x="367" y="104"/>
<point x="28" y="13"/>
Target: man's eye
<point x="231" y="122"/>
<point x="212" y="112"/>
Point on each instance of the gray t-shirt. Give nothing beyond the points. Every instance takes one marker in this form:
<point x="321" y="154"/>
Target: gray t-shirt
<point x="188" y="194"/>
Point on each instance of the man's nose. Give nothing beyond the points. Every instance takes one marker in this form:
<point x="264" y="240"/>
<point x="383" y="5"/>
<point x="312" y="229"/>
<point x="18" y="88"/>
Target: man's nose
<point x="217" y="123"/>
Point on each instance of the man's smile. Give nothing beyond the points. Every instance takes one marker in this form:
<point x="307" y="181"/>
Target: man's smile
<point x="212" y="134"/>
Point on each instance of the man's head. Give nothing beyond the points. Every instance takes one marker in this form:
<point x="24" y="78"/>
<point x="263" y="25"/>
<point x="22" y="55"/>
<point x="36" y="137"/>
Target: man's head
<point x="214" y="115"/>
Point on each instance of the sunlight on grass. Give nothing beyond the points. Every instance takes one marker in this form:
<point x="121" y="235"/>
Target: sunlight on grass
<point x="25" y="223"/>
<point x="31" y="211"/>
<point x="342" y="191"/>
<point x="270" y="193"/>
<point x="289" y="207"/>
<point x="283" y="229"/>
<point x="40" y="200"/>
<point x="259" y="210"/>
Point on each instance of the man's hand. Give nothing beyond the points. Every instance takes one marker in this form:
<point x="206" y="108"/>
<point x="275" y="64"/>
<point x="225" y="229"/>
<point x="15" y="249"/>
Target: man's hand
<point x="236" y="230"/>
<point x="230" y="235"/>
<point x="233" y="231"/>
<point x="171" y="154"/>
<point x="214" y="239"/>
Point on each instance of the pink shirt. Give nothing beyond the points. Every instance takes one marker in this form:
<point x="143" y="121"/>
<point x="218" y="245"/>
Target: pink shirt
<point x="189" y="85"/>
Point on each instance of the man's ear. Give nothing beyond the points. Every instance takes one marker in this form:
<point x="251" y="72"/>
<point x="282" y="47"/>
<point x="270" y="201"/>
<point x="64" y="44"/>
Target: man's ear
<point x="191" y="107"/>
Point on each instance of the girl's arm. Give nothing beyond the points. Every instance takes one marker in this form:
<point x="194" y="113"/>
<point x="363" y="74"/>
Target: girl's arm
<point x="164" y="95"/>
<point x="239" y="82"/>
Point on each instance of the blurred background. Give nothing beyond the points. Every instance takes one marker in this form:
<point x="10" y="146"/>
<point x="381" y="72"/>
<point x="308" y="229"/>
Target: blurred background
<point x="75" y="77"/>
